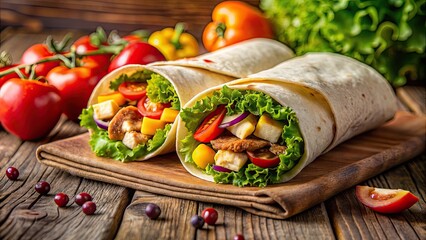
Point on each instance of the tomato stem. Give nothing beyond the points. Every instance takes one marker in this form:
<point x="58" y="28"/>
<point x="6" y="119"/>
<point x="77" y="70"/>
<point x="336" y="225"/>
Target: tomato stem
<point x="220" y="30"/>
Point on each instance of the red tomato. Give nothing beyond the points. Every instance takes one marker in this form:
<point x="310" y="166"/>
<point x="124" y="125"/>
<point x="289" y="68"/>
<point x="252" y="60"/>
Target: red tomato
<point x="150" y="109"/>
<point x="75" y="86"/>
<point x="35" y="53"/>
<point x="10" y="75"/>
<point x="133" y="90"/>
<point x="29" y="109"/>
<point x="385" y="200"/>
<point x="263" y="158"/>
<point x="83" y="45"/>
<point x="209" y="128"/>
<point x="133" y="38"/>
<point x="136" y="53"/>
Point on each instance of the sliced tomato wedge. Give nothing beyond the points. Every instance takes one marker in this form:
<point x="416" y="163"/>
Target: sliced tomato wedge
<point x="263" y="158"/>
<point x="385" y="200"/>
<point x="209" y="128"/>
<point x="133" y="90"/>
<point x="150" y="109"/>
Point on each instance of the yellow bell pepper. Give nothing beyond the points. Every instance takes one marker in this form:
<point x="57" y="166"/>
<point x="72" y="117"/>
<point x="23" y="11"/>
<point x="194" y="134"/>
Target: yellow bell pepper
<point x="174" y="43"/>
<point x="150" y="126"/>
<point x="169" y="115"/>
<point x="117" y="97"/>
<point x="203" y="155"/>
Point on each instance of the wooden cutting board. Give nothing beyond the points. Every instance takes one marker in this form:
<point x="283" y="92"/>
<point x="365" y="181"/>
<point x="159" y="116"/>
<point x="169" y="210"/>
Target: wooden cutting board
<point x="346" y="165"/>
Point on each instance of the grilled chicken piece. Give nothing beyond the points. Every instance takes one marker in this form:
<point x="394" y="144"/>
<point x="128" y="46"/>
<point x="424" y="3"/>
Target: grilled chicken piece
<point x="133" y="139"/>
<point x="129" y="115"/>
<point x="235" y="144"/>
<point x="277" y="149"/>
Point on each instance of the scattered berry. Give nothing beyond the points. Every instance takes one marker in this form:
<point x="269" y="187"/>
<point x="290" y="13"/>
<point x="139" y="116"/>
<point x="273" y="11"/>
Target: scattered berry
<point x="210" y="216"/>
<point x="61" y="199"/>
<point x="239" y="237"/>
<point x="12" y="173"/>
<point x="89" y="208"/>
<point x="197" y="221"/>
<point x="152" y="210"/>
<point x="42" y="187"/>
<point x="81" y="198"/>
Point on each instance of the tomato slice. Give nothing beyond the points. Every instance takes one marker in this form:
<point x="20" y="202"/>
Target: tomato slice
<point x="385" y="200"/>
<point x="150" y="109"/>
<point x="133" y="90"/>
<point x="263" y="158"/>
<point x="209" y="128"/>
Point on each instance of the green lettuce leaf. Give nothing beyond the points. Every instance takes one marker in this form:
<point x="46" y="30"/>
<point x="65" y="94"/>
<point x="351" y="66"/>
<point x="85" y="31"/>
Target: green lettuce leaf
<point x="139" y="76"/>
<point x="388" y="35"/>
<point x="238" y="101"/>
<point x="162" y="91"/>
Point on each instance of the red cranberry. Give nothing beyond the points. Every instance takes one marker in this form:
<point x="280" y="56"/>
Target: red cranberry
<point x="12" y="173"/>
<point x="197" y="221"/>
<point x="89" y="208"/>
<point x="210" y="216"/>
<point x="61" y="199"/>
<point x="42" y="187"/>
<point x="152" y="210"/>
<point x="83" y="197"/>
<point x="239" y="237"/>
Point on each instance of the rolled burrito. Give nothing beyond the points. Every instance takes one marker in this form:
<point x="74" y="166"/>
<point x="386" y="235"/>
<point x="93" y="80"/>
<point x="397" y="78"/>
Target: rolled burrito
<point x="131" y="112"/>
<point x="266" y="128"/>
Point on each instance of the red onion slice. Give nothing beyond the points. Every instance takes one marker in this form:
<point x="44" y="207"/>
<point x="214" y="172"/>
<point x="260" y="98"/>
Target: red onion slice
<point x="221" y="169"/>
<point x="101" y="124"/>
<point x="232" y="120"/>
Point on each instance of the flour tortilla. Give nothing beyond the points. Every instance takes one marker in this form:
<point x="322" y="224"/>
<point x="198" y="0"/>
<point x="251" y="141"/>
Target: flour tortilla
<point x="222" y="66"/>
<point x="334" y="98"/>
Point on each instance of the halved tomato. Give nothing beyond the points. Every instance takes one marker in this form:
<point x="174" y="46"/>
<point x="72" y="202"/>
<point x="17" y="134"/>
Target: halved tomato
<point x="150" y="109"/>
<point x="385" y="200"/>
<point x="209" y="128"/>
<point x="133" y="90"/>
<point x="263" y="158"/>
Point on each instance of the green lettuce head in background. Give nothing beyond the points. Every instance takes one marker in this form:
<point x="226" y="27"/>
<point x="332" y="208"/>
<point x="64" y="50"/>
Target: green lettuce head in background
<point x="389" y="35"/>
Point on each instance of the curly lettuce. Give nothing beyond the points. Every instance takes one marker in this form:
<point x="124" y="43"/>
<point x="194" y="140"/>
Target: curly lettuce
<point x="388" y="35"/>
<point x="257" y="103"/>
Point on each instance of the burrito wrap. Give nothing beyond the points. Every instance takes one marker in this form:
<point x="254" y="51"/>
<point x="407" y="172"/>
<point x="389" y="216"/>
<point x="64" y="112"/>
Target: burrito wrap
<point x="191" y="76"/>
<point x="334" y="98"/>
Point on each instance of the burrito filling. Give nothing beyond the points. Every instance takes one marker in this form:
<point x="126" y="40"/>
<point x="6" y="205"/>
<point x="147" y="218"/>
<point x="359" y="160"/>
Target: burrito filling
<point x="134" y="119"/>
<point x="241" y="137"/>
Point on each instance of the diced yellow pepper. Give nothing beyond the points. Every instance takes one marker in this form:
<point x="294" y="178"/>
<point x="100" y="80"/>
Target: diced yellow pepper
<point x="117" y="97"/>
<point x="169" y="115"/>
<point x="149" y="125"/>
<point x="203" y="155"/>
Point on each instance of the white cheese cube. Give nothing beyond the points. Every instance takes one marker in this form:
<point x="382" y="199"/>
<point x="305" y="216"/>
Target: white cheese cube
<point x="105" y="110"/>
<point x="244" y="128"/>
<point x="268" y="129"/>
<point x="230" y="160"/>
<point x="133" y="139"/>
<point x="129" y="126"/>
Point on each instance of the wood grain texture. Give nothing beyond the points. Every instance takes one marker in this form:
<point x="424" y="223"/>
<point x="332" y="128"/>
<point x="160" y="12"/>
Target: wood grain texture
<point x="125" y="15"/>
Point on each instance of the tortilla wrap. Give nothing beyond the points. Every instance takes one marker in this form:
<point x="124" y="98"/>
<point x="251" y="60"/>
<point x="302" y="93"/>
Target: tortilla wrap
<point x="191" y="76"/>
<point x="334" y="98"/>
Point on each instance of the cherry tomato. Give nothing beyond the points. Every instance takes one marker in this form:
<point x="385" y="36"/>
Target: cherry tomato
<point x="136" y="53"/>
<point x="385" y="200"/>
<point x="75" y="86"/>
<point x="29" y="109"/>
<point x="133" y="90"/>
<point x="263" y="158"/>
<point x="150" y="109"/>
<point x="83" y="45"/>
<point x="209" y="128"/>
<point x="10" y="75"/>
<point x="35" y="53"/>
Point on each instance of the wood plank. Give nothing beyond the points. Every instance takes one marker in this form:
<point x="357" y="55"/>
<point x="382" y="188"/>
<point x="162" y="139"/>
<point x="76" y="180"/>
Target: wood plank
<point x="174" y="222"/>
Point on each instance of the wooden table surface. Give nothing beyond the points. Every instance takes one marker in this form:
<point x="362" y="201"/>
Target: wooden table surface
<point x="24" y="214"/>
